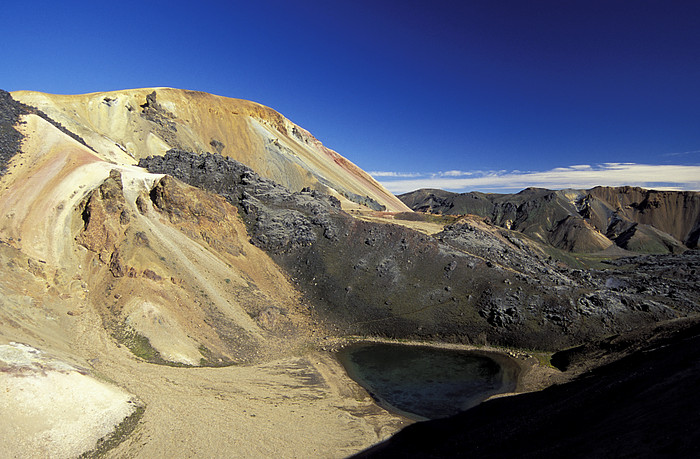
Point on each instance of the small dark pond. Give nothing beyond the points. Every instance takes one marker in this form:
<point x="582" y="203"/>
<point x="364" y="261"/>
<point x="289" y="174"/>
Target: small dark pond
<point x="426" y="382"/>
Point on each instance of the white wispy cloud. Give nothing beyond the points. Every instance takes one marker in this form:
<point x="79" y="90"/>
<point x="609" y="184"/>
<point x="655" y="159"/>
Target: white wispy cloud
<point x="683" y="153"/>
<point x="379" y="174"/>
<point x="454" y="173"/>
<point x="582" y="176"/>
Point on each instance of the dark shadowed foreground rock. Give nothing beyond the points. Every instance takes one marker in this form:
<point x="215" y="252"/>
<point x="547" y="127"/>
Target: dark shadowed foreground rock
<point x="10" y="138"/>
<point x="473" y="282"/>
<point x="643" y="405"/>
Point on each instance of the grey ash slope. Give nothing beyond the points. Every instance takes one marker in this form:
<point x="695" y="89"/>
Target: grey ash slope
<point x="471" y="283"/>
<point x="634" y="219"/>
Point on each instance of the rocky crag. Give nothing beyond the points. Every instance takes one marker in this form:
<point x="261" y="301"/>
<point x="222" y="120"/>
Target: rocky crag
<point x="633" y="219"/>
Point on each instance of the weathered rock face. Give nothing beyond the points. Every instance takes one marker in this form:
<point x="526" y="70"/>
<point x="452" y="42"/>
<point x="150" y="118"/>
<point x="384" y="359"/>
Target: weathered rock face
<point x="202" y="216"/>
<point x="472" y="282"/>
<point x="676" y="213"/>
<point x="234" y="309"/>
<point x="105" y="215"/>
<point x="167" y="269"/>
<point x="582" y="220"/>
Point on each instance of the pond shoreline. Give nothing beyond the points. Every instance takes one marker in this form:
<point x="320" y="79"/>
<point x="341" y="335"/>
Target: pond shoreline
<point x="531" y="374"/>
<point x="520" y="372"/>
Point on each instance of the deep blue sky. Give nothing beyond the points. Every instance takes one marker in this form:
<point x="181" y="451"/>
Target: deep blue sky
<point x="434" y="89"/>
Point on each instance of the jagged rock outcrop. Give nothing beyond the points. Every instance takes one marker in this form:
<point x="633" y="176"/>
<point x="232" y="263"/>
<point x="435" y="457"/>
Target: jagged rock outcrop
<point x="105" y="214"/>
<point x="582" y="221"/>
<point x="472" y="282"/>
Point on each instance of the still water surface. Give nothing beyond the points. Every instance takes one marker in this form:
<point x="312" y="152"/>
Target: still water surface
<point x="426" y="382"/>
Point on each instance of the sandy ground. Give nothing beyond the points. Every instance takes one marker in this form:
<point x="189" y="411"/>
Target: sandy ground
<point x="296" y="406"/>
<point x="292" y="407"/>
<point x="52" y="409"/>
<point x="383" y="217"/>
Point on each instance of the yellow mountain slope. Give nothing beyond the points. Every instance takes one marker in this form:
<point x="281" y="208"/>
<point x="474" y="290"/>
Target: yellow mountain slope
<point x="124" y="126"/>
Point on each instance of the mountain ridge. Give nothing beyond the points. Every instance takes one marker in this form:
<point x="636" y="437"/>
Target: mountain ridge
<point x="113" y="122"/>
<point x="586" y="221"/>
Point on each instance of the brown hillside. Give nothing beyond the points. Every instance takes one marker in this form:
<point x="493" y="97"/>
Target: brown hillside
<point x="582" y="221"/>
<point x="674" y="212"/>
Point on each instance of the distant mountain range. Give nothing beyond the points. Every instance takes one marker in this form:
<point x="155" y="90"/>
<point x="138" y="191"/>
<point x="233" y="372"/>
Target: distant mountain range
<point x="584" y="221"/>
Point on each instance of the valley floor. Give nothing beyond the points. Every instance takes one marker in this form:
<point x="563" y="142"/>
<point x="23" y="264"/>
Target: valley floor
<point x="291" y="407"/>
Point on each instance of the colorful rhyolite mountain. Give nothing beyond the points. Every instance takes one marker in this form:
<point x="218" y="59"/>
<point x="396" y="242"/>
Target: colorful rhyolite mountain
<point x="125" y="126"/>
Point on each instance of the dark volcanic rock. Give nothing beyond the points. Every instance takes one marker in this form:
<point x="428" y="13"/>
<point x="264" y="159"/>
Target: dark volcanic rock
<point x="10" y="138"/>
<point x="470" y="283"/>
<point x="161" y="118"/>
<point x="217" y="145"/>
<point x="153" y="111"/>
<point x="281" y="220"/>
